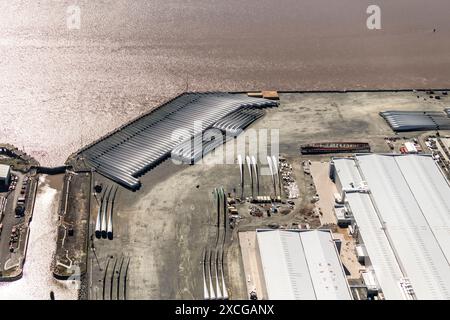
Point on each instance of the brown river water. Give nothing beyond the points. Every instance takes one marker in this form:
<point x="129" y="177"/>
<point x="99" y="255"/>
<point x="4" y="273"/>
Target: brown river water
<point x="62" y="88"/>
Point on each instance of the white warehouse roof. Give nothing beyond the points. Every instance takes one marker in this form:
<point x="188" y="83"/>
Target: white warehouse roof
<point x="4" y="171"/>
<point x="301" y="265"/>
<point x="404" y="221"/>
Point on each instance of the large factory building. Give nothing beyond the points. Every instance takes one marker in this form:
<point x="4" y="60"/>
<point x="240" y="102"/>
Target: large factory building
<point x="5" y="175"/>
<point x="401" y="210"/>
<point x="300" y="265"/>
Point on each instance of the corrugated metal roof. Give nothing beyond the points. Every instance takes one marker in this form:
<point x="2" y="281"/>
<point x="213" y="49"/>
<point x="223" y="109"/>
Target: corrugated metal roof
<point x="4" y="170"/>
<point x="380" y="252"/>
<point x="324" y="266"/>
<point x="432" y="194"/>
<point x="348" y="174"/>
<point x="404" y="222"/>
<point x="301" y="265"/>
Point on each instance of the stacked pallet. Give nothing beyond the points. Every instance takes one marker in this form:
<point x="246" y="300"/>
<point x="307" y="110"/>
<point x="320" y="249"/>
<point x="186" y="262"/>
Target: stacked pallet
<point x="271" y="95"/>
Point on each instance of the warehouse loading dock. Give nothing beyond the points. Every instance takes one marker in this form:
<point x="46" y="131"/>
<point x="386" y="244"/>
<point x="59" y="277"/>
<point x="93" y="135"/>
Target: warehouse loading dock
<point x="400" y="205"/>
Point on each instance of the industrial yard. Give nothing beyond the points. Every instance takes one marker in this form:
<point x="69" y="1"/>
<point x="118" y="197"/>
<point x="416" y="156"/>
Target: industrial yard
<point x="18" y="185"/>
<point x="157" y="227"/>
<point x="163" y="232"/>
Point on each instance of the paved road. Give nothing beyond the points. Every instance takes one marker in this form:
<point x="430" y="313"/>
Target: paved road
<point x="326" y="190"/>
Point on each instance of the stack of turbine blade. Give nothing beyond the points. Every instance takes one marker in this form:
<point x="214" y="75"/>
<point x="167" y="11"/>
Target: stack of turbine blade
<point x="144" y="143"/>
<point x="416" y="120"/>
<point x="236" y="122"/>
